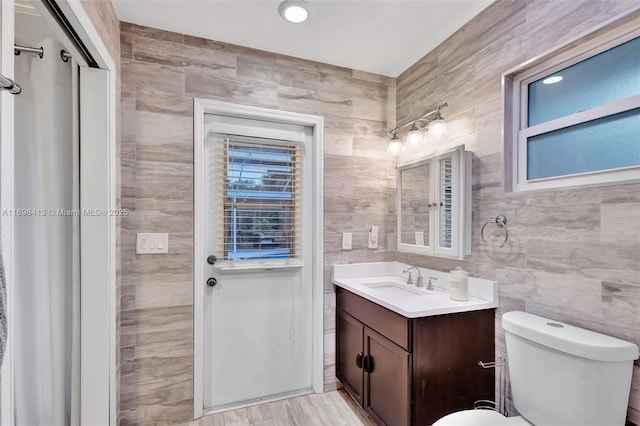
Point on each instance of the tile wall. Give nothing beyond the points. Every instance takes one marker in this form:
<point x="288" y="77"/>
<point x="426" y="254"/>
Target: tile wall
<point x="574" y="254"/>
<point x="161" y="74"/>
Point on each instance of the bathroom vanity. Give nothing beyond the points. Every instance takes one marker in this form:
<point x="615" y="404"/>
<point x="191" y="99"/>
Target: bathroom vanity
<point x="406" y="355"/>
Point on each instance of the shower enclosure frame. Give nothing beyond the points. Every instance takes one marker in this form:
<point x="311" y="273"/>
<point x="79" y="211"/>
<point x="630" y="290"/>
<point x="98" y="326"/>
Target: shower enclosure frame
<point x="98" y="234"/>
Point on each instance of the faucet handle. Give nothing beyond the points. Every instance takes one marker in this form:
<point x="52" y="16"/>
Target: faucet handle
<point x="410" y="279"/>
<point x="430" y="285"/>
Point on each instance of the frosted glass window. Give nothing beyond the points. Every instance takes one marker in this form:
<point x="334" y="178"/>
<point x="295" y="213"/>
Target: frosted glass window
<point x="604" y="144"/>
<point x="575" y="114"/>
<point x="609" y="76"/>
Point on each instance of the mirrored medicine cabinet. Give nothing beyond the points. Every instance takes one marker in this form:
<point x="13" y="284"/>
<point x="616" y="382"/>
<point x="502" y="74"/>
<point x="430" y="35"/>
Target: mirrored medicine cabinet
<point x="433" y="203"/>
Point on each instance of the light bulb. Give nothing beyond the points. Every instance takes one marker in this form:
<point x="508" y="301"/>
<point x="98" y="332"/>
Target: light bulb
<point x="414" y="137"/>
<point x="296" y="14"/>
<point x="438" y="128"/>
<point x="395" y="145"/>
<point x="295" y="11"/>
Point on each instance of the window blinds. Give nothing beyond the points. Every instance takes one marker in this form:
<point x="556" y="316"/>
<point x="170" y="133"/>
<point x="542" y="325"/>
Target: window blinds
<point x="446" y="202"/>
<point x="257" y="198"/>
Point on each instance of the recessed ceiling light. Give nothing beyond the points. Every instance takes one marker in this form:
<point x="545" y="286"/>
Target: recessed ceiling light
<point x="295" y="11"/>
<point x="552" y="79"/>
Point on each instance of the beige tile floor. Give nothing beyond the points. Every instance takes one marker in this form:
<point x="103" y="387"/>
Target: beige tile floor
<point x="328" y="409"/>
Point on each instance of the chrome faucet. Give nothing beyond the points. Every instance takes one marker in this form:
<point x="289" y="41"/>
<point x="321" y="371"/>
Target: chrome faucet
<point x="430" y="286"/>
<point x="419" y="280"/>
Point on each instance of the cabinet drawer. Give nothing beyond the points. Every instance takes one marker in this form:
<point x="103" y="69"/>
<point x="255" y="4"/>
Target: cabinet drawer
<point x="393" y="326"/>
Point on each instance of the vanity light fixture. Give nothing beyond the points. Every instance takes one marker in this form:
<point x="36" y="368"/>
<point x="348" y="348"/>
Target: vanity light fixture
<point x="294" y="11"/>
<point x="437" y="126"/>
<point x="431" y="122"/>
<point x="415" y="136"/>
<point x="395" y="145"/>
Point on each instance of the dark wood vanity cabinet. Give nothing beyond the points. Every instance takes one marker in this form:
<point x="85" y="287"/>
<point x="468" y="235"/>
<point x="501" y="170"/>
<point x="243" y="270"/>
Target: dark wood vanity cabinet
<point x="350" y="354"/>
<point x="387" y="380"/>
<point x="404" y="371"/>
<point x="374" y="370"/>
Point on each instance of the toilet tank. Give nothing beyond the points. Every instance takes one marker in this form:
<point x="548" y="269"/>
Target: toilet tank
<point x="566" y="375"/>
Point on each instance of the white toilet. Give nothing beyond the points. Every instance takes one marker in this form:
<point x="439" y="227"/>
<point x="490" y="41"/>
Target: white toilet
<point x="560" y="375"/>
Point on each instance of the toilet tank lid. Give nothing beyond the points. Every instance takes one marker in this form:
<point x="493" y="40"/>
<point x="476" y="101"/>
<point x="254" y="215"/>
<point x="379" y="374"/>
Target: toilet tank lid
<point x="568" y="338"/>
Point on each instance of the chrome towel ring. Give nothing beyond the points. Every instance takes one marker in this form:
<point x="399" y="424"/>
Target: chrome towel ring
<point x="501" y="221"/>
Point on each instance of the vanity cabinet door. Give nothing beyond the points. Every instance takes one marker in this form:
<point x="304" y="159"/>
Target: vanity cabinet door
<point x="349" y="354"/>
<point x="387" y="380"/>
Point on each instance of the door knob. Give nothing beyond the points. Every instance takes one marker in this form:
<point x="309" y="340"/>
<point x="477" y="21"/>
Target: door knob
<point x="367" y="364"/>
<point x="211" y="282"/>
<point x="211" y="259"/>
<point x="359" y="360"/>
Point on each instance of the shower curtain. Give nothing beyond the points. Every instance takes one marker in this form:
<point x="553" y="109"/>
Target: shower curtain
<point x="45" y="328"/>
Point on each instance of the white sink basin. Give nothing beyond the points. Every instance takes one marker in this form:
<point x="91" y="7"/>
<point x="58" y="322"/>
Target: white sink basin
<point x="384" y="283"/>
<point x="395" y="290"/>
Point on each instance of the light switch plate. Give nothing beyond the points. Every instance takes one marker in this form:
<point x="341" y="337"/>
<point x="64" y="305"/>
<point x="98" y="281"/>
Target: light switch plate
<point x="346" y="240"/>
<point x="391" y="241"/>
<point x="150" y="243"/>
<point x="373" y="237"/>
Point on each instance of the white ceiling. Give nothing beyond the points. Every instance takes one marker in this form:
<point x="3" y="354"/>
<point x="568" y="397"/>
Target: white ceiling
<point x="382" y="36"/>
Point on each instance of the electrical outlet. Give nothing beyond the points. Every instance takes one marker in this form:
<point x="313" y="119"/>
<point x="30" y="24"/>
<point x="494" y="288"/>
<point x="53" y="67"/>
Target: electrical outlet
<point x="346" y="240"/>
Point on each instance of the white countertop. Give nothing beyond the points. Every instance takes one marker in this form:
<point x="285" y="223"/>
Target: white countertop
<point x="361" y="279"/>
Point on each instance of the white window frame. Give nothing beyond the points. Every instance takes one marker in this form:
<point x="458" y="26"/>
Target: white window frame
<point x="515" y="103"/>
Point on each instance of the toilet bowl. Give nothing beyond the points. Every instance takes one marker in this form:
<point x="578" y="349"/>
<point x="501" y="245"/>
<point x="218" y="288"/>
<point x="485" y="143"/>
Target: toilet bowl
<point x="560" y="375"/>
<point x="480" y="418"/>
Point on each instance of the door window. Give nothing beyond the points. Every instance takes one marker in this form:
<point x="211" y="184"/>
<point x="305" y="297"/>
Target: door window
<point x="260" y="198"/>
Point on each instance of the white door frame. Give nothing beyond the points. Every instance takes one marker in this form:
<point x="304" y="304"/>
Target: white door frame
<point x="200" y="108"/>
<point x="105" y="227"/>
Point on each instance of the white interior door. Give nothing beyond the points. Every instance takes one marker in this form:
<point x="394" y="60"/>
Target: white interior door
<point x="258" y="315"/>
